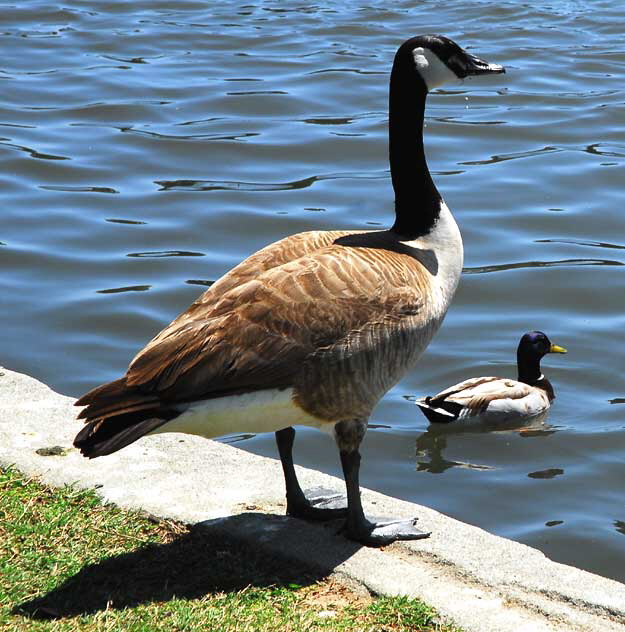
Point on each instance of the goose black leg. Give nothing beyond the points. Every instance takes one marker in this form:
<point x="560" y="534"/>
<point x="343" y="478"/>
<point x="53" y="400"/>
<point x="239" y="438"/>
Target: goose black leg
<point x="349" y="435"/>
<point x="321" y="504"/>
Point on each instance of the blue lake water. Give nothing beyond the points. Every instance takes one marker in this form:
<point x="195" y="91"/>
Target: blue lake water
<point x="147" y="147"/>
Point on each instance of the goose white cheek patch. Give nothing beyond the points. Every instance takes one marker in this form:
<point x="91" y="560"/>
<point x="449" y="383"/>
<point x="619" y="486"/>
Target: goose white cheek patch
<point x="434" y="72"/>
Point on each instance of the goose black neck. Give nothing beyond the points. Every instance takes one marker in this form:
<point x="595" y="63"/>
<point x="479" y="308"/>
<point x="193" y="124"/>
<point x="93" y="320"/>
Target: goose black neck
<point x="528" y="365"/>
<point x="417" y="201"/>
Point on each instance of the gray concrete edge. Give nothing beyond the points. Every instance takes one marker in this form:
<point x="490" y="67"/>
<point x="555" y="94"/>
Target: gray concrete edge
<point x="482" y="582"/>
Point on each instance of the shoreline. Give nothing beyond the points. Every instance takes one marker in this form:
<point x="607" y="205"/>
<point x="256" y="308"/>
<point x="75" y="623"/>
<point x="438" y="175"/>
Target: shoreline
<point x="479" y="581"/>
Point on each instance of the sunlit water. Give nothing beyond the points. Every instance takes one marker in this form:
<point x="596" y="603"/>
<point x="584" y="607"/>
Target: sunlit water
<point x="147" y="147"/>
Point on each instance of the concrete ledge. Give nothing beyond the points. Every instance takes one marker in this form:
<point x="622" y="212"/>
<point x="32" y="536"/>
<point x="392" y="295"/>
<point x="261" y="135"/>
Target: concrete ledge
<point x="482" y="582"/>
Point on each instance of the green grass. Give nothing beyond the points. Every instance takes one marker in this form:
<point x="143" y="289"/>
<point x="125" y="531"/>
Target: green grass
<point x="68" y="562"/>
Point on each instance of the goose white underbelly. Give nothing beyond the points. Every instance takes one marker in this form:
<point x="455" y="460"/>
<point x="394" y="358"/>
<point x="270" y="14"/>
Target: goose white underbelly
<point x="256" y="412"/>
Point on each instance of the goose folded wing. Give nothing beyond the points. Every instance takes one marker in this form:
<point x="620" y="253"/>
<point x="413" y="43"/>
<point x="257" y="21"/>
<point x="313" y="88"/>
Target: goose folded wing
<point x="258" y="334"/>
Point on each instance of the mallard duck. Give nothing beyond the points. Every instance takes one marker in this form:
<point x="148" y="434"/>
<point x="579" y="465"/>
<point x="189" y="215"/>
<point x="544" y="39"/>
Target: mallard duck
<point x="498" y="398"/>
<point x="312" y="329"/>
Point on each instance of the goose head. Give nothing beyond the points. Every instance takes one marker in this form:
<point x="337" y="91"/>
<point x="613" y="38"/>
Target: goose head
<point x="421" y="64"/>
<point x="439" y="60"/>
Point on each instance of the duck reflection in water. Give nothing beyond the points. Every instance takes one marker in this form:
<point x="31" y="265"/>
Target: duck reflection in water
<point x="431" y="444"/>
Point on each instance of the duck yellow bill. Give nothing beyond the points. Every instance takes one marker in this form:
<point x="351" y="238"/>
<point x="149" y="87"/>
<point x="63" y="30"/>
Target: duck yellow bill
<point x="557" y="349"/>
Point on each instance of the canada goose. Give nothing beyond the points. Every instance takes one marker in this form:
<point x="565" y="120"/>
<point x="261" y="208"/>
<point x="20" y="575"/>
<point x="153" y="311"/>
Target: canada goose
<point x="312" y="329"/>
<point x="498" y="399"/>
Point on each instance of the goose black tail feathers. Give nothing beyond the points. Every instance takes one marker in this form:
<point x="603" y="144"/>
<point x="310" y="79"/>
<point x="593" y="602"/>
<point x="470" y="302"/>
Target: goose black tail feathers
<point x="116" y="416"/>
<point x="106" y="436"/>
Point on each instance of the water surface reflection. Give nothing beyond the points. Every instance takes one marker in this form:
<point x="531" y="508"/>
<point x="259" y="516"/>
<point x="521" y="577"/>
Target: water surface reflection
<point x="431" y="444"/>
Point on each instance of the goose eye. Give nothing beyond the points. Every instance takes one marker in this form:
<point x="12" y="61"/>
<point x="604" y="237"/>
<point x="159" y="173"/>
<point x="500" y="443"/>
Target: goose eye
<point x="455" y="62"/>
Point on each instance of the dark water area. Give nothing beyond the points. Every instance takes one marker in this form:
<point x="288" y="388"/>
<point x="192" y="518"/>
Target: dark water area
<point x="147" y="147"/>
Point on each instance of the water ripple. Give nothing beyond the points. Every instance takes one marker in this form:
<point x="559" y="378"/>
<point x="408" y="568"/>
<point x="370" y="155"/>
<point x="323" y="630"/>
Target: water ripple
<point x="595" y="149"/>
<point x="513" y="156"/>
<point x="18" y="126"/>
<point x="328" y="120"/>
<point x="254" y="92"/>
<point x="131" y="60"/>
<point x="212" y="137"/>
<point x="204" y="282"/>
<point x="580" y="242"/>
<point x="129" y="288"/>
<point x="166" y="253"/>
<point x="551" y="472"/>
<point x="33" y="153"/>
<point x="357" y="71"/>
<point x="224" y="185"/>
<point x="587" y="94"/>
<point x="124" y="221"/>
<point x="77" y="189"/>
<point x="454" y="120"/>
<point x="541" y="264"/>
<point x="210" y="119"/>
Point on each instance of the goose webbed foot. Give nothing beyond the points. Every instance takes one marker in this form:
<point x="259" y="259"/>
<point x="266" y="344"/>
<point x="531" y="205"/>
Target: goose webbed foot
<point x="357" y="527"/>
<point x="383" y="532"/>
<point x="319" y="504"/>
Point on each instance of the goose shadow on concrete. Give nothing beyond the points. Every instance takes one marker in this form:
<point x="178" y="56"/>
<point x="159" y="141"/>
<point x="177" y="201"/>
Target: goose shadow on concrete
<point x="221" y="555"/>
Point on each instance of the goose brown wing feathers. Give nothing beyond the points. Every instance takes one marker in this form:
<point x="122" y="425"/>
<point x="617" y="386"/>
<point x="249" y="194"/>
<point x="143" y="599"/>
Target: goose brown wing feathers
<point x="263" y="328"/>
<point x="257" y="334"/>
<point x="167" y="348"/>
